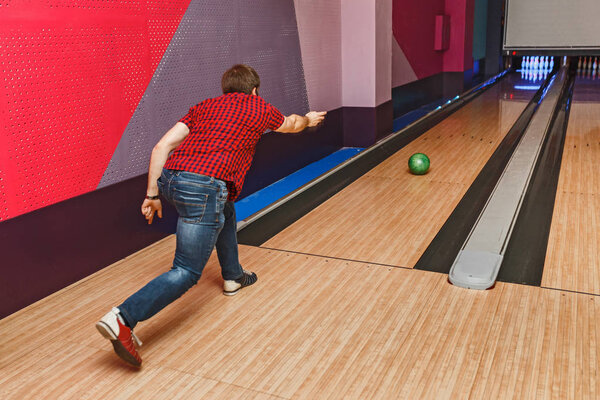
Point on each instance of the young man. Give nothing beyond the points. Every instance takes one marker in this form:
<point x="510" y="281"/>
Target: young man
<point x="212" y="149"/>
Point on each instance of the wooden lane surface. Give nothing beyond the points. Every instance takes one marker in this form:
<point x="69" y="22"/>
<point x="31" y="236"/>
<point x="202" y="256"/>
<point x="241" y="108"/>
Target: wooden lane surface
<point x="311" y="328"/>
<point x="573" y="255"/>
<point x="390" y="216"/>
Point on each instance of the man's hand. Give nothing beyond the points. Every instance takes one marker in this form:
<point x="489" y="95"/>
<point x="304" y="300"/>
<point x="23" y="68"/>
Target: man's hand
<point x="149" y="207"/>
<point x="315" y="117"/>
<point x="296" y="123"/>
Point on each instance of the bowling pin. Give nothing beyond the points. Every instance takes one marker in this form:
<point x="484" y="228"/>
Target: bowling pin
<point x="551" y="63"/>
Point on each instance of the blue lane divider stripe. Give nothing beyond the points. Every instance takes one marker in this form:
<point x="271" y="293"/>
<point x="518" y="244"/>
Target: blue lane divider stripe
<point x="270" y="194"/>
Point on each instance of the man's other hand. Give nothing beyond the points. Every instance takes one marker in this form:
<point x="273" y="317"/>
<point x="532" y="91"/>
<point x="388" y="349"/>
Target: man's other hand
<point x="149" y="207"/>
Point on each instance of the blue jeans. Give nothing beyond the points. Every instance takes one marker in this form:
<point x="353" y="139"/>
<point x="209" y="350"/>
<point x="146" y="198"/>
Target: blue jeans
<point x="206" y="219"/>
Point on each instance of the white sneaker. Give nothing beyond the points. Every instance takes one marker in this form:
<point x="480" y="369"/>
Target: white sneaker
<point x="231" y="288"/>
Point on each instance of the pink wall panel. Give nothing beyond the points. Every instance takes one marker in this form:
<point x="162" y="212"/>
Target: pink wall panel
<point x="320" y="31"/>
<point x="459" y="57"/>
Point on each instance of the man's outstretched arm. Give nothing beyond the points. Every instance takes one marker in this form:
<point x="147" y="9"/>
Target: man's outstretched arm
<point x="296" y="123"/>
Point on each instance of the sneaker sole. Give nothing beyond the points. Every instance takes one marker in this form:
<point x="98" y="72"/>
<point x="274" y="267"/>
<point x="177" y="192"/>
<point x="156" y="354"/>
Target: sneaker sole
<point x="233" y="293"/>
<point x="105" y="331"/>
<point x="120" y="350"/>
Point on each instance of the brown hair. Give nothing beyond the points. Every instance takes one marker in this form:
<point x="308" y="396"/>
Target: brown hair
<point x="240" y="78"/>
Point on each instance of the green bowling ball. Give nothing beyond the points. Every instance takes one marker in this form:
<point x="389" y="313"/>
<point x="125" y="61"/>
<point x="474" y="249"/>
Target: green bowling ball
<point x="418" y="164"/>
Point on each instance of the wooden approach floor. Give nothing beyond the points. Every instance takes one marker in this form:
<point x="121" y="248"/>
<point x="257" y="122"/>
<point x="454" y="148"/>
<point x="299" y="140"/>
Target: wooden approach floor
<point x="573" y="256"/>
<point x="390" y="216"/>
<point x="311" y="328"/>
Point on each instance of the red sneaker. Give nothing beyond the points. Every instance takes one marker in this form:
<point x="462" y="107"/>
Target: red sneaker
<point x="112" y="326"/>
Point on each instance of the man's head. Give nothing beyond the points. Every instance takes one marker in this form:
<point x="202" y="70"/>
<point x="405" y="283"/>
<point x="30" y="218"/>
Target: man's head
<point x="240" y="78"/>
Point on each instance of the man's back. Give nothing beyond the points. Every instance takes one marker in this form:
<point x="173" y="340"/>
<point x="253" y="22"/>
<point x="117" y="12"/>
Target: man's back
<point x="223" y="135"/>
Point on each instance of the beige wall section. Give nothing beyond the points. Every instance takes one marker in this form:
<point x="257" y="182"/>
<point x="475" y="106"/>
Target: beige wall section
<point x="320" y="31"/>
<point x="358" y="53"/>
<point x="346" y="51"/>
<point x="366" y="52"/>
<point x="402" y="72"/>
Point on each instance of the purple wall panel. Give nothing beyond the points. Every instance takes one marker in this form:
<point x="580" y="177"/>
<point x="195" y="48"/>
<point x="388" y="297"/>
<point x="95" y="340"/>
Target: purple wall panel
<point x="212" y="36"/>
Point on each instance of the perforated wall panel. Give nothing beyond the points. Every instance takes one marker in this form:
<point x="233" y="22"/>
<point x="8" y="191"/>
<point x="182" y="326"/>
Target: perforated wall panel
<point x="212" y="36"/>
<point x="73" y="73"/>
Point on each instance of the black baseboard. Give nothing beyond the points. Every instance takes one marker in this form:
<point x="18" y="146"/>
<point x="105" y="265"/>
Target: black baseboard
<point x="363" y="126"/>
<point x="50" y="248"/>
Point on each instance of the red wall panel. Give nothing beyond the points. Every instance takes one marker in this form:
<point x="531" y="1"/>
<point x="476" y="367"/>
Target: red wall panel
<point x="72" y="76"/>
<point x="414" y="30"/>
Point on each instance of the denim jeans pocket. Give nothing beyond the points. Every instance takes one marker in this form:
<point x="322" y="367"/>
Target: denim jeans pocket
<point x="190" y="206"/>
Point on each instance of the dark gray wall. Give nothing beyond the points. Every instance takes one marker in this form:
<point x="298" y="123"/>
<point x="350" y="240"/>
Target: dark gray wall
<point x="493" y="44"/>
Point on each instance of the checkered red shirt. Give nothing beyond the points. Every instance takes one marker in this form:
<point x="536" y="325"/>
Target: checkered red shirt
<point x="223" y="135"/>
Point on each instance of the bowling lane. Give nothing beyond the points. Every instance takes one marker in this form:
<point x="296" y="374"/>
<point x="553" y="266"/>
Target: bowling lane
<point x="389" y="216"/>
<point x="573" y="255"/>
<point x="383" y="333"/>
